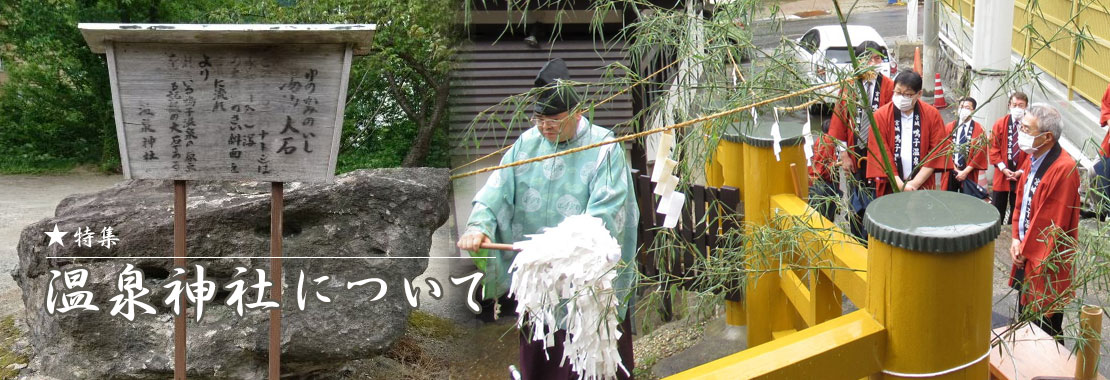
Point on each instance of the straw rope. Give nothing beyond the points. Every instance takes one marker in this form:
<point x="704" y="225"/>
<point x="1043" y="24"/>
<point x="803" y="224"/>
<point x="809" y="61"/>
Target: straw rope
<point x="652" y="131"/>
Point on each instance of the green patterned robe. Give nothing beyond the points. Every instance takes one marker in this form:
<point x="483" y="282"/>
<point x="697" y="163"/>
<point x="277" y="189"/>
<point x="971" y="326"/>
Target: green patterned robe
<point x="522" y="200"/>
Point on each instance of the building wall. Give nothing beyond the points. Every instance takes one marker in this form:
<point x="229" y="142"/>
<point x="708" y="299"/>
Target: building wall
<point x="1086" y="75"/>
<point x="488" y="73"/>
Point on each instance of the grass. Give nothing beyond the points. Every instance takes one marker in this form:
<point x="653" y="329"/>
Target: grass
<point x="435" y="348"/>
<point x="428" y="325"/>
<point x="23" y="165"/>
<point x="9" y="334"/>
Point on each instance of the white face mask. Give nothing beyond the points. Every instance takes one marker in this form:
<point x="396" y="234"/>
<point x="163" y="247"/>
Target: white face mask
<point x="964" y="113"/>
<point x="903" y="103"/>
<point x="1017" y="113"/>
<point x="1025" y="142"/>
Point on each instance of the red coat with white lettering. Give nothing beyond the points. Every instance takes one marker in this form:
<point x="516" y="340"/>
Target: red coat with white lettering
<point x="843" y="126"/>
<point x="999" y="138"/>
<point x="932" y="136"/>
<point x="1103" y="119"/>
<point x="978" y="152"/>
<point x="1053" y="212"/>
<point x="824" y="159"/>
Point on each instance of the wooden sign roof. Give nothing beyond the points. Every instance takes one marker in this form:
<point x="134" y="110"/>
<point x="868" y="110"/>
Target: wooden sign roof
<point x="359" y="35"/>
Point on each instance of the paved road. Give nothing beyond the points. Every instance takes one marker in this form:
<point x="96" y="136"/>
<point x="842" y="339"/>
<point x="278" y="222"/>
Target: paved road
<point x="25" y="199"/>
<point x="889" y="23"/>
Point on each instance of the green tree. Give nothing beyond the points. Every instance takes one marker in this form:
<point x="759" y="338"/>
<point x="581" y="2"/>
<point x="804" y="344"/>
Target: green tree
<point x="55" y="109"/>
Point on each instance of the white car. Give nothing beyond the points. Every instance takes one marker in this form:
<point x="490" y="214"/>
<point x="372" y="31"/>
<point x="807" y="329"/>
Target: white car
<point x="823" y="52"/>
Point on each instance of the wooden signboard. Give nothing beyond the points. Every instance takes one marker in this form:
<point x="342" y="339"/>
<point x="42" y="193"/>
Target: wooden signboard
<point x="229" y="102"/>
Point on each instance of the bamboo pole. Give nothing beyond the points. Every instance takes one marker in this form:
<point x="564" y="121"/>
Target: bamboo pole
<point x="1090" y="330"/>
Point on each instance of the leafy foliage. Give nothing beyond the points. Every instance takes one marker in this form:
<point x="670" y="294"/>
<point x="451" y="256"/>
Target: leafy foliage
<point x="56" y="109"/>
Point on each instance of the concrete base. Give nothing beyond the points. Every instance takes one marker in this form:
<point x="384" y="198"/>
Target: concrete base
<point x="903" y="49"/>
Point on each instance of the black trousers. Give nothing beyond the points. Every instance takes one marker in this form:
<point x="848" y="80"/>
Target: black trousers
<point x="535" y="366"/>
<point x="823" y="197"/>
<point x="1053" y="324"/>
<point x="860" y="195"/>
<point x="1004" y="201"/>
<point x="953" y="184"/>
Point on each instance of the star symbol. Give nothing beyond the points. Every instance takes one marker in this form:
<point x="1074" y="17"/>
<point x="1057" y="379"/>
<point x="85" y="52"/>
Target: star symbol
<point x="56" y="236"/>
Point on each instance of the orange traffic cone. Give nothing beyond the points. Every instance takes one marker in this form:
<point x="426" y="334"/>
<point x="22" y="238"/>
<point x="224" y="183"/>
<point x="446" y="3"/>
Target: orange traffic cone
<point x="938" y="100"/>
<point x="917" y="61"/>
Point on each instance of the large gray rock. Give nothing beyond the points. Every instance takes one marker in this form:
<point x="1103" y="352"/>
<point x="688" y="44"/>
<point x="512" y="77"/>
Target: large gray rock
<point x="391" y="212"/>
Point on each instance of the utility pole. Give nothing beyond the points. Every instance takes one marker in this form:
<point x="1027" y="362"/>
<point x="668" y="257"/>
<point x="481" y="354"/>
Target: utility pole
<point x="990" y="55"/>
<point x="930" y="47"/>
<point x="911" y="20"/>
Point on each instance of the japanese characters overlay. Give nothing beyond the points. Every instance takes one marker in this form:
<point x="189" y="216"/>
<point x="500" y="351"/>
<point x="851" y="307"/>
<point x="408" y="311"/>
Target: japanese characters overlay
<point x="247" y="290"/>
<point x="229" y="112"/>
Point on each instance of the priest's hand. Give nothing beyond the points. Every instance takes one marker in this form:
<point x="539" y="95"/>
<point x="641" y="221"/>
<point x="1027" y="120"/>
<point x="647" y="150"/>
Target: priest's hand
<point x="472" y="241"/>
<point x="1015" y="252"/>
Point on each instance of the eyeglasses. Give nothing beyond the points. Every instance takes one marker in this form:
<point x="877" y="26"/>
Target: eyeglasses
<point x="1025" y="129"/>
<point x="906" y="94"/>
<point x="548" y="122"/>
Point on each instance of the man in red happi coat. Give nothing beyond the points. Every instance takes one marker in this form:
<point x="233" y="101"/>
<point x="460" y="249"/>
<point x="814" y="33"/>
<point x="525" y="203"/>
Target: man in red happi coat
<point x="911" y="133"/>
<point x="823" y="178"/>
<point x="1103" y="121"/>
<point x="1101" y="184"/>
<point x="1006" y="157"/>
<point x="1046" y="220"/>
<point x="965" y="150"/>
<point x="851" y="125"/>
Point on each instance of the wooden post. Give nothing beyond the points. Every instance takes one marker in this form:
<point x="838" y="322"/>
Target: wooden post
<point x="730" y="155"/>
<point x="179" y="261"/>
<point x="1090" y="330"/>
<point x="768" y="310"/>
<point x="1074" y="57"/>
<point x="794" y="180"/>
<point x="276" y="205"/>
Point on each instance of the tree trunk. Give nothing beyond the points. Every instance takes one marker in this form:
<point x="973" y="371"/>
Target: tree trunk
<point x="420" y="146"/>
<point x="423" y="141"/>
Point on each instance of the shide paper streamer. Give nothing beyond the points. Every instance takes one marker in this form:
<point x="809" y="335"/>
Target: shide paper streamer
<point x="670" y="201"/>
<point x="776" y="136"/>
<point x="808" y="147"/>
<point x="569" y="270"/>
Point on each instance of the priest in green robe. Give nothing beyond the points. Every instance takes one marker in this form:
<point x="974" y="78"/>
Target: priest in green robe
<point x="522" y="200"/>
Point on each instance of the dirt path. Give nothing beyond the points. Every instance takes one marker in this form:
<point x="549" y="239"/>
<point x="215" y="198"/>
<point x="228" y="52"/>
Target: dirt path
<point x="25" y="199"/>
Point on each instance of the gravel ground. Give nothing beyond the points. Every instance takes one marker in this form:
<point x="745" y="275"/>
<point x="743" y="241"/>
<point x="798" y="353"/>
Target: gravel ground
<point x="25" y="199"/>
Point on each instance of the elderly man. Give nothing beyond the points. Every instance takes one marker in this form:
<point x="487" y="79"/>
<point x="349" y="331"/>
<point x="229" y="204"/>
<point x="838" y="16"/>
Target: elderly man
<point x="1047" y="209"/>
<point x="851" y="126"/>
<point x="524" y="199"/>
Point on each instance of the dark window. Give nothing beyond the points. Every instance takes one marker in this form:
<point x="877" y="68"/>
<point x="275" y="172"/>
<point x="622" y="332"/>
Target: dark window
<point x="838" y="53"/>
<point x="810" y="41"/>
